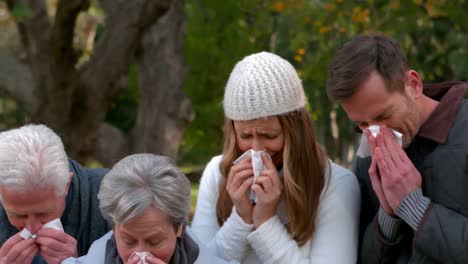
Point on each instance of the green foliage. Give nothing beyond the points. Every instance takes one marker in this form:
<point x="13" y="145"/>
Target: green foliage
<point x="11" y="113"/>
<point x="434" y="34"/>
<point x="21" y="12"/>
<point x="219" y="33"/>
<point x="458" y="54"/>
<point x="193" y="195"/>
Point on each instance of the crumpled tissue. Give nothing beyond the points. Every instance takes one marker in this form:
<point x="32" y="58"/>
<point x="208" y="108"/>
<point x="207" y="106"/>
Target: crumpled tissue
<point x="257" y="165"/>
<point x="364" y="148"/>
<point x="142" y="255"/>
<point x="54" y="224"/>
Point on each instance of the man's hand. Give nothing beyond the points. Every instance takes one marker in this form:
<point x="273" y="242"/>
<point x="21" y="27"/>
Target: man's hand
<point x="55" y="246"/>
<point x="375" y="177"/>
<point x="18" y="250"/>
<point x="398" y="175"/>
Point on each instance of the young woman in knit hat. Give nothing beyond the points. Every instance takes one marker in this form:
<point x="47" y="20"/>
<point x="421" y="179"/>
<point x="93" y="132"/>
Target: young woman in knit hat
<point x="306" y="208"/>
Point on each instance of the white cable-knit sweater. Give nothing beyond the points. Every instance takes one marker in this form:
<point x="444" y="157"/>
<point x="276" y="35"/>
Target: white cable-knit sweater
<point x="335" y="240"/>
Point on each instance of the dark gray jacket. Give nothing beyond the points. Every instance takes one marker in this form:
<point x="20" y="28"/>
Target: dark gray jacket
<point x="82" y="218"/>
<point x="442" y="235"/>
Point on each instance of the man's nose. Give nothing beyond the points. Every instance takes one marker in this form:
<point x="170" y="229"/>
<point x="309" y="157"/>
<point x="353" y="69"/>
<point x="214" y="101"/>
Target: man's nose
<point x="33" y="225"/>
<point x="367" y="125"/>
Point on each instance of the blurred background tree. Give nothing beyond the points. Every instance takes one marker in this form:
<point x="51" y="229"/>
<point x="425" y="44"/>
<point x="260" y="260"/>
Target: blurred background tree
<point x="215" y="35"/>
<point x="307" y="33"/>
<point x="71" y="65"/>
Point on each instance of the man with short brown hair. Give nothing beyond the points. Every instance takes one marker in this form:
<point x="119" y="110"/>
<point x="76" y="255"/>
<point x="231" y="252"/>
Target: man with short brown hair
<point x="414" y="200"/>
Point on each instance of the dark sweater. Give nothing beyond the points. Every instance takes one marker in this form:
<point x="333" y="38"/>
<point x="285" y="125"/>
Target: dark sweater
<point x="440" y="153"/>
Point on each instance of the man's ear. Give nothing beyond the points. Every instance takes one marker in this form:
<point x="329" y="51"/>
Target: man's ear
<point x="180" y="230"/>
<point x="69" y="182"/>
<point x="413" y="84"/>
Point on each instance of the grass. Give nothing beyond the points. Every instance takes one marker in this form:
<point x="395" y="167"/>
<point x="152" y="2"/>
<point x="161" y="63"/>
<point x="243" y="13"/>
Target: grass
<point x="193" y="198"/>
<point x="193" y="194"/>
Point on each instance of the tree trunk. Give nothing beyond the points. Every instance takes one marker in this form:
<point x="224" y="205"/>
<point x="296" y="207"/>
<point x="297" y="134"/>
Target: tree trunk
<point x="164" y="110"/>
<point x="74" y="101"/>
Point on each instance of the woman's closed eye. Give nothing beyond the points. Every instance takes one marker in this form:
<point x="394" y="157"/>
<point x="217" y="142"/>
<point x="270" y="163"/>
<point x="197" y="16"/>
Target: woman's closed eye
<point x="245" y="136"/>
<point x="155" y="242"/>
<point x="129" y="242"/>
<point x="270" y="136"/>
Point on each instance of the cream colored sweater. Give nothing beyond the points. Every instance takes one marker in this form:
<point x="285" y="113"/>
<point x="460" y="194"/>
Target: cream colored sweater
<point x="335" y="239"/>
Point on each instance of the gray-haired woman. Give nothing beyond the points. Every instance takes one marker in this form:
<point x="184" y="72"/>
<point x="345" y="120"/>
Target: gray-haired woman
<point x="147" y="201"/>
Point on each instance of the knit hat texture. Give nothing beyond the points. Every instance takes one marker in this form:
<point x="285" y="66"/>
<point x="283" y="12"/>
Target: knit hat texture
<point x="262" y="85"/>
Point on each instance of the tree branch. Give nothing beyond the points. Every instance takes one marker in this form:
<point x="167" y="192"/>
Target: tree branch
<point x="99" y="79"/>
<point x="33" y="29"/>
<point x="34" y="32"/>
<point x="63" y="32"/>
<point x="60" y="77"/>
<point x="116" y="46"/>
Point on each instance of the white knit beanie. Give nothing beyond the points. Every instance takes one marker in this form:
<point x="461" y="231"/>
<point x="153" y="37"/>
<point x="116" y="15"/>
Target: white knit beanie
<point x="261" y="85"/>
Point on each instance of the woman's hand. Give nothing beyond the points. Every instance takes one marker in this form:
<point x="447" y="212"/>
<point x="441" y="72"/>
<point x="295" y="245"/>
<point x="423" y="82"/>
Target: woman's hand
<point x="150" y="259"/>
<point x="239" y="181"/>
<point x="268" y="189"/>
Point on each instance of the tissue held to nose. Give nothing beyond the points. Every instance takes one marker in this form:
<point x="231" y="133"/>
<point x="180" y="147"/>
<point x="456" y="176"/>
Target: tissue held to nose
<point x="142" y="256"/>
<point x="364" y="148"/>
<point x="26" y="234"/>
<point x="54" y="224"/>
<point x="257" y="166"/>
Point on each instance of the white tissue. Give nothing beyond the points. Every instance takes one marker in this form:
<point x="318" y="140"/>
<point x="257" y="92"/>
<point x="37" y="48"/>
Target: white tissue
<point x="257" y="165"/>
<point x="364" y="148"/>
<point x="142" y="256"/>
<point x="26" y="234"/>
<point x="54" y="224"/>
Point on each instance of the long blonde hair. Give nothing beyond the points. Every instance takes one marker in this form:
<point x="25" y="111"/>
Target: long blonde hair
<point x="304" y="169"/>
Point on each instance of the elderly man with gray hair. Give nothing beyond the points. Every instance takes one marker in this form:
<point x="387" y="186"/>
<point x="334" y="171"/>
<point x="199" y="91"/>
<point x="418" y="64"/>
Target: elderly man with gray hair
<point x="147" y="201"/>
<point x="49" y="209"/>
